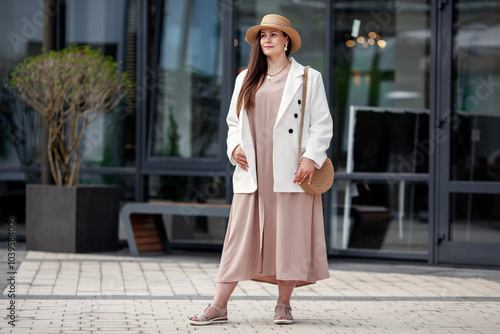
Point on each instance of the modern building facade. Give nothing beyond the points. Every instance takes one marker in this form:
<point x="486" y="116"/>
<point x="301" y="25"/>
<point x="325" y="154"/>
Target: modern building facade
<point x="413" y="86"/>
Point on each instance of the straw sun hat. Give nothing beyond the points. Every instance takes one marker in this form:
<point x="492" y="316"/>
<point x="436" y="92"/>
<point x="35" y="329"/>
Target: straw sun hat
<point x="278" y="22"/>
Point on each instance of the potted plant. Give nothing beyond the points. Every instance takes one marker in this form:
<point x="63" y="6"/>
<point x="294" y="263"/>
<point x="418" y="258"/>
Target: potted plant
<point x="70" y="89"/>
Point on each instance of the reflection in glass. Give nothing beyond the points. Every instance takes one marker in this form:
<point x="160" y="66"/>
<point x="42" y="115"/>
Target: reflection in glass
<point x="307" y="17"/>
<point x="124" y="182"/>
<point x="381" y="59"/>
<point x="186" y="117"/>
<point x="380" y="105"/>
<point x="388" y="140"/>
<point x="387" y="216"/>
<point x="209" y="190"/>
<point x="20" y="141"/>
<point x="108" y="26"/>
<point x="475" y="119"/>
<point x="475" y="218"/>
<point x="13" y="198"/>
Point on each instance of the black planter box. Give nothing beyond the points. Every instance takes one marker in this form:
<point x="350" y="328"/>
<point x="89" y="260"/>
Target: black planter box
<point x="72" y="219"/>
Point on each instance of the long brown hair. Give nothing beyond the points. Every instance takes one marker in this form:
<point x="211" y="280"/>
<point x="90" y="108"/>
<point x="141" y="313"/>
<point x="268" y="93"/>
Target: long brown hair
<point x="257" y="70"/>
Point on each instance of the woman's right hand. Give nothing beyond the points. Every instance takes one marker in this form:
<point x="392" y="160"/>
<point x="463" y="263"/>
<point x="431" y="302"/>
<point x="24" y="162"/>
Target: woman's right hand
<point x="240" y="157"/>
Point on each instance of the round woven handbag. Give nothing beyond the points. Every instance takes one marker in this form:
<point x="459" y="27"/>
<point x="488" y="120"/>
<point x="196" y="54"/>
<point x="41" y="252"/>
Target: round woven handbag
<point x="322" y="179"/>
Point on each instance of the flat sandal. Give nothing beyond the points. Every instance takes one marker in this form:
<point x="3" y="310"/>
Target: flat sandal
<point x="204" y="319"/>
<point x="288" y="319"/>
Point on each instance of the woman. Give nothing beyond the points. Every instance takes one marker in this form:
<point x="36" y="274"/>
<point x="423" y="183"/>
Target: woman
<point x="275" y="232"/>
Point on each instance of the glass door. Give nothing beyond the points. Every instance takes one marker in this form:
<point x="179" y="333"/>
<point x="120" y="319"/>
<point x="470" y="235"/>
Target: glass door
<point x="468" y="228"/>
<point x="380" y="104"/>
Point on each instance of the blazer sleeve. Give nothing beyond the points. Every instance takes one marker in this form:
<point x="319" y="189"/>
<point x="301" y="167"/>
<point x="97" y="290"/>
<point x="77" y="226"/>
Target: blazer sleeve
<point x="233" y="122"/>
<point x="320" y="120"/>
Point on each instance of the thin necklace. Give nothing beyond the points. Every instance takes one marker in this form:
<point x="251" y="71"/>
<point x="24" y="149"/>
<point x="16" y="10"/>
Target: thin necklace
<point x="270" y="76"/>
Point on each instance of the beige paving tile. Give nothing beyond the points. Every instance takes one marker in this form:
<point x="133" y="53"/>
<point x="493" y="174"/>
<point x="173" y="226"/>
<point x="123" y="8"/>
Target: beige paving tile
<point x="94" y="294"/>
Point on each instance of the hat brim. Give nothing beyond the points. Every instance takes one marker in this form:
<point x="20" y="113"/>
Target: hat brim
<point x="251" y="35"/>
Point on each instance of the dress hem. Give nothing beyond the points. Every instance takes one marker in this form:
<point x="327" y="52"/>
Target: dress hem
<point x="271" y="279"/>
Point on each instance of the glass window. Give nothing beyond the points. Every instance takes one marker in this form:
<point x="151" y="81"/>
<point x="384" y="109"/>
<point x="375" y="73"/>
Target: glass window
<point x="13" y="198"/>
<point x="108" y="26"/>
<point x="386" y="216"/>
<point x="475" y="118"/>
<point x="475" y="218"/>
<point x="187" y="108"/>
<point x="380" y="105"/>
<point x="21" y="35"/>
<point x="126" y="183"/>
<point x="381" y="59"/>
<point x="388" y="140"/>
<point x="307" y="17"/>
<point x="191" y="189"/>
<point x="21" y="27"/>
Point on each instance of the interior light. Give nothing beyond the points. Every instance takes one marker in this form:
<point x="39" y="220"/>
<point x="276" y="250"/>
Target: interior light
<point x="371" y="41"/>
<point x="355" y="28"/>
<point x="236" y="42"/>
<point x="371" y="34"/>
<point x="361" y="39"/>
<point x="382" y="43"/>
<point x="365" y="45"/>
<point x="347" y="36"/>
<point x="356" y="77"/>
<point x="350" y="43"/>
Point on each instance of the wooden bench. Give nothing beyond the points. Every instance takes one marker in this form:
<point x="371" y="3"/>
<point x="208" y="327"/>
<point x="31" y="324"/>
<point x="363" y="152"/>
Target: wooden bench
<point x="145" y="230"/>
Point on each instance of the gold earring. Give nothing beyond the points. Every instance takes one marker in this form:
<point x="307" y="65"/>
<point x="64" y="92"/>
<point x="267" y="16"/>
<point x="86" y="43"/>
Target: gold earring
<point x="286" y="47"/>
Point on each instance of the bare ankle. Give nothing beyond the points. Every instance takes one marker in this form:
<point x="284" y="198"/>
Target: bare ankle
<point x="283" y="301"/>
<point x="219" y="305"/>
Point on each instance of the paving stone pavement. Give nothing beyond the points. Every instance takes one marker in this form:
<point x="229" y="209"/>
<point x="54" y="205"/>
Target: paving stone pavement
<point x="115" y="293"/>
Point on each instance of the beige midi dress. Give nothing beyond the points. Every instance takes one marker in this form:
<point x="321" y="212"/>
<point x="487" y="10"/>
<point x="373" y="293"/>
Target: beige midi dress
<point x="273" y="236"/>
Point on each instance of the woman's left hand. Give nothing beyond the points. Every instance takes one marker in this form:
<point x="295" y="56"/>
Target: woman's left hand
<point x="305" y="171"/>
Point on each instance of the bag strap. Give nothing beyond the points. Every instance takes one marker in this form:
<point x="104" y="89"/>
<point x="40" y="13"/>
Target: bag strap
<point x="304" y="91"/>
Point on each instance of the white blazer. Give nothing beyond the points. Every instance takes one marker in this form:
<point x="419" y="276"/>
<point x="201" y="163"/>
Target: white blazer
<point x="318" y="132"/>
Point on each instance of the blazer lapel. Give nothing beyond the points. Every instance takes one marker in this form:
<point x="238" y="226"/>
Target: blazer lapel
<point x="293" y="83"/>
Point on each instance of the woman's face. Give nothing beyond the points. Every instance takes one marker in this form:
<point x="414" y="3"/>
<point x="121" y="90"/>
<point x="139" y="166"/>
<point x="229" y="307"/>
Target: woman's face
<point x="272" y="42"/>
